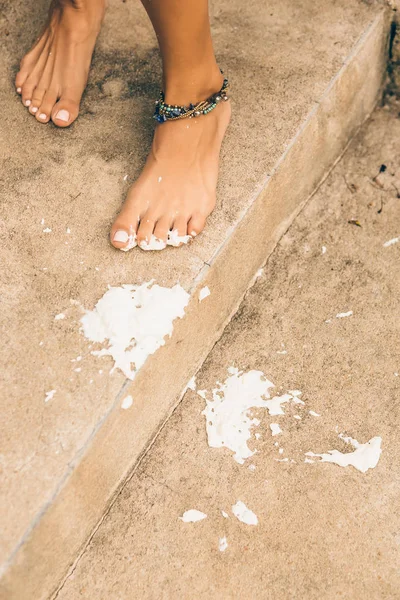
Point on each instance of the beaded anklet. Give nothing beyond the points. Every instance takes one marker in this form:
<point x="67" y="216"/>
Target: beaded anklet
<point x="170" y="112"/>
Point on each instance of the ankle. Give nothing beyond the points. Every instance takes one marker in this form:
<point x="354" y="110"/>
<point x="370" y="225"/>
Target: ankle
<point x="85" y="14"/>
<point x="182" y="89"/>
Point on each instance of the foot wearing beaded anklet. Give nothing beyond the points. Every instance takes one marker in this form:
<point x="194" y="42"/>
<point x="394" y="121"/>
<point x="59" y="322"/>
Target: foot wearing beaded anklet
<point x="176" y="191"/>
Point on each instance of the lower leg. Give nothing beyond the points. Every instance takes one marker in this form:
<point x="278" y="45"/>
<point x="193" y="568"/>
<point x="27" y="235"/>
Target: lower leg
<point x="54" y="73"/>
<point x="190" y="70"/>
<point x="176" y="189"/>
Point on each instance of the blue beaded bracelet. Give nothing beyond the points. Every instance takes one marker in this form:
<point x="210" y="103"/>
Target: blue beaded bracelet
<point x="171" y="112"/>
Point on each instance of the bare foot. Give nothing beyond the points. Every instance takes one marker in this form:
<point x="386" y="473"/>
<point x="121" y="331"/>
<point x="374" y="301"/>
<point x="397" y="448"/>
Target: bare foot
<point x="175" y="192"/>
<point x="54" y="73"/>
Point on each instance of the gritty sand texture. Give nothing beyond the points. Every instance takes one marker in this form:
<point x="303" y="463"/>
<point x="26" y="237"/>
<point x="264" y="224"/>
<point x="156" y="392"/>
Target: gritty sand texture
<point x="324" y="531"/>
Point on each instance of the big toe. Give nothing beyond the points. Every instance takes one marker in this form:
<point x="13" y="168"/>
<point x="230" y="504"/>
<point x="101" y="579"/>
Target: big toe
<point x="65" y="112"/>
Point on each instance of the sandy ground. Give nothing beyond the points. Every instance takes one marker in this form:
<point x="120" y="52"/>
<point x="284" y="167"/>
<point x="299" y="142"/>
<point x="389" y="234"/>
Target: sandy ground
<point x="324" y="531"/>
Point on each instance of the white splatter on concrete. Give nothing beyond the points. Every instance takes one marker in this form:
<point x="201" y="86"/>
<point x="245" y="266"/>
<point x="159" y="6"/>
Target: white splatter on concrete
<point x="127" y="402"/>
<point x="192" y="516"/>
<point x="224" y="514"/>
<point x="134" y="320"/>
<point x="395" y="240"/>
<point x="366" y="456"/>
<point x="244" y="514"/>
<point x="227" y="422"/>
<point x="222" y="544"/>
<point x="59" y="317"/>
<point x="313" y="413"/>
<point x="191" y="385"/>
<point x="47" y="230"/>
<point x="49" y="395"/>
<point x="344" y="314"/>
<point x="276" y="430"/>
<point x="323" y="250"/>
<point x="204" y="293"/>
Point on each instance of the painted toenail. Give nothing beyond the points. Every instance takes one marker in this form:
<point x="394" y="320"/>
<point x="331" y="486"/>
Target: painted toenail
<point x="19" y="90"/>
<point x="34" y="109"/>
<point x="42" y="116"/>
<point x="121" y="236"/>
<point x="27" y="102"/>
<point x="63" y="115"/>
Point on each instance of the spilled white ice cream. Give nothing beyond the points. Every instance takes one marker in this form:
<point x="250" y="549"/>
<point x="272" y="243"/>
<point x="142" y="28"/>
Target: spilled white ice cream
<point x="133" y="321"/>
<point x="155" y="243"/>
<point x="365" y="456"/>
<point x="228" y="421"/>
<point x="244" y="514"/>
<point x="192" y="516"/>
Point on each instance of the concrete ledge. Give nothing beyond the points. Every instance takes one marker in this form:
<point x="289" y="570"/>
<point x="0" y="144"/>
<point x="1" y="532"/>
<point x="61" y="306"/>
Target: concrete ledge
<point x="63" y="526"/>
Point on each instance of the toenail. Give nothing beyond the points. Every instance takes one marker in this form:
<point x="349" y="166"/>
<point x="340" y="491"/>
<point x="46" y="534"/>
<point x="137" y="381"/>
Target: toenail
<point x="42" y="116"/>
<point x="27" y="102"/>
<point x="19" y="90"/>
<point x="193" y="233"/>
<point x="34" y="109"/>
<point x="62" y="115"/>
<point x="121" y="236"/>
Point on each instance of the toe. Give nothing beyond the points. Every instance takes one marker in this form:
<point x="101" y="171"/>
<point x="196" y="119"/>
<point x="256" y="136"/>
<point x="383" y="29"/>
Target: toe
<point x="162" y="227"/>
<point x="43" y="113"/>
<point x="37" y="99"/>
<point x="27" y="64"/>
<point x="20" y="79"/>
<point x="180" y="227"/>
<point x="27" y="92"/>
<point x="65" y="111"/>
<point x="145" y="230"/>
<point x="196" y="224"/>
<point x="123" y="233"/>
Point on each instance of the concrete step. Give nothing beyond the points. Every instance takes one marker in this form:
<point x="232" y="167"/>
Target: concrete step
<point x="304" y="79"/>
<point x="324" y="531"/>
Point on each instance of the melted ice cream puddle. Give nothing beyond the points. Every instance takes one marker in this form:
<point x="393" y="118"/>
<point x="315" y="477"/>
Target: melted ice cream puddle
<point x="228" y="423"/>
<point x="244" y="514"/>
<point x="192" y="516"/>
<point x="366" y="456"/>
<point x="134" y="320"/>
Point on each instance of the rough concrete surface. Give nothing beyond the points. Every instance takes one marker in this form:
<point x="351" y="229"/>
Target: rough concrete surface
<point x="75" y="179"/>
<point x="324" y="531"/>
